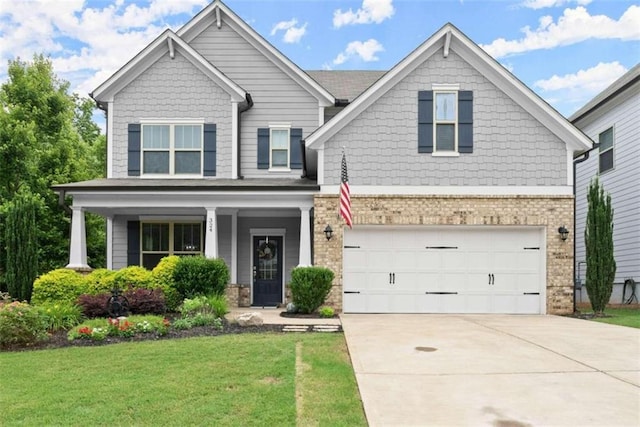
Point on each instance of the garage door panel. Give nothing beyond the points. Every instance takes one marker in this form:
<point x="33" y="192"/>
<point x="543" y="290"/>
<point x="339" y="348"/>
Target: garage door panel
<point x="444" y="270"/>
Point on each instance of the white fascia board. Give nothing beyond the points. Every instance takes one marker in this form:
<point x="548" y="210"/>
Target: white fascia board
<point x="375" y="91"/>
<point x="145" y="58"/>
<point x="206" y="18"/>
<point x="176" y="199"/>
<point x="420" y="190"/>
<point x="519" y="92"/>
<point x="152" y="53"/>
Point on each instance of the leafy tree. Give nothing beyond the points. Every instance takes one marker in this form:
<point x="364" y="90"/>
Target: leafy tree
<point x="46" y="139"/>
<point x="598" y="237"/>
<point x="22" y="245"/>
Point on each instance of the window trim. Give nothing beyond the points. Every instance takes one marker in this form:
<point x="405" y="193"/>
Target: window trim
<point x="437" y="122"/>
<point x="613" y="144"/>
<point x="172" y="150"/>
<point x="171" y="242"/>
<point x="279" y="127"/>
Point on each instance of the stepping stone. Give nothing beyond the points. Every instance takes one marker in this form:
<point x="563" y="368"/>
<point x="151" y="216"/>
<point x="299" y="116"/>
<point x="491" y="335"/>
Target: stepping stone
<point x="295" y="328"/>
<point x="326" y="328"/>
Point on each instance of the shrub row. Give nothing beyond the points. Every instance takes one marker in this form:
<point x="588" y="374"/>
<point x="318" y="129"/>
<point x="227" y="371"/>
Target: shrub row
<point x="176" y="277"/>
<point x="141" y="301"/>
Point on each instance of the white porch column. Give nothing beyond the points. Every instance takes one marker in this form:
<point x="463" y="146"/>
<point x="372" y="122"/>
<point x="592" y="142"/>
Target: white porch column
<point x="234" y="246"/>
<point x="110" y="242"/>
<point x="78" y="244"/>
<point x="304" y="258"/>
<point x="211" y="234"/>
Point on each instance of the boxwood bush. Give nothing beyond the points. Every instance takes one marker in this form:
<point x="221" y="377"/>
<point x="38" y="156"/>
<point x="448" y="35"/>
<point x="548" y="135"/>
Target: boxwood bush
<point x="310" y="287"/>
<point x="61" y="285"/>
<point x="163" y="277"/>
<point x="197" y="275"/>
<point x="99" y="281"/>
<point x="133" y="276"/>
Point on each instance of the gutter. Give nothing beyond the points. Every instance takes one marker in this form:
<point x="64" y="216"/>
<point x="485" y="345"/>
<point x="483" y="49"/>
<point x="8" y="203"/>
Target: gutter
<point x="241" y="109"/>
<point x="575" y="227"/>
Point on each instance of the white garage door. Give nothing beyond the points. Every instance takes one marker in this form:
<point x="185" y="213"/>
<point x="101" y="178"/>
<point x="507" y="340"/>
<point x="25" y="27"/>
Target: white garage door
<point x="444" y="270"/>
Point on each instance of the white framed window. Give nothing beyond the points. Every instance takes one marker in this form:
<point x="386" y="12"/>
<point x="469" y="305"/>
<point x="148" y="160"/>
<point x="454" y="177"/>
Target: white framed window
<point x="172" y="149"/>
<point x="605" y="139"/>
<point x="279" y="140"/>
<point x="445" y="121"/>
<point x="161" y="239"/>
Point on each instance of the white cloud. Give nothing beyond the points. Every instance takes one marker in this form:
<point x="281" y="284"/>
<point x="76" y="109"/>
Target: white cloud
<point x="541" y="4"/>
<point x="371" y="11"/>
<point x="97" y="40"/>
<point x="292" y="34"/>
<point x="587" y="82"/>
<point x="574" y="26"/>
<point x="366" y="51"/>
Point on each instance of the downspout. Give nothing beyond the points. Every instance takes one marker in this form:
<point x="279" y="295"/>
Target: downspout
<point x="241" y="109"/>
<point x="575" y="226"/>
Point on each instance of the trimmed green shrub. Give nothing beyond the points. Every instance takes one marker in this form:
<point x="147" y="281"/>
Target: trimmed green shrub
<point x="61" y="315"/>
<point x="61" y="285"/>
<point x="198" y="275"/>
<point x="99" y="281"/>
<point x="163" y="277"/>
<point x="21" y="324"/>
<point x="310" y="287"/>
<point x="326" y="312"/>
<point x="133" y="276"/>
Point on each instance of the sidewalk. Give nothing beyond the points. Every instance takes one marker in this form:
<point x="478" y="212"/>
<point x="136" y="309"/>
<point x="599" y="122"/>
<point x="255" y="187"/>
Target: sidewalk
<point x="271" y="316"/>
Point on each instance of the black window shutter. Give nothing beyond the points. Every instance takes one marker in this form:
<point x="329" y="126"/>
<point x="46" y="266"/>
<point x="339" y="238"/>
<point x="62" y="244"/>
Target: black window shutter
<point x="425" y="121"/>
<point x="465" y="121"/>
<point x="209" y="149"/>
<point x="295" y="149"/>
<point x="133" y="242"/>
<point x="263" y="148"/>
<point x="134" y="149"/>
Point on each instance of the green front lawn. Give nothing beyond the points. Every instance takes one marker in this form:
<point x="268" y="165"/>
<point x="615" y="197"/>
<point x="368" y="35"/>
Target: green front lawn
<point x="247" y="379"/>
<point x="621" y="316"/>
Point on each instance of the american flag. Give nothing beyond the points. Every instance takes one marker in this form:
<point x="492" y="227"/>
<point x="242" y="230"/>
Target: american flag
<point x="345" y="194"/>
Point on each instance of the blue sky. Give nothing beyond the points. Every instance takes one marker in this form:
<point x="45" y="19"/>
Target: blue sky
<point x="565" y="50"/>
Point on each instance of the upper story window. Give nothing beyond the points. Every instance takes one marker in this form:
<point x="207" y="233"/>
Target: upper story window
<point x="279" y="148"/>
<point x="605" y="139"/>
<point x="279" y="144"/>
<point x="172" y="149"/>
<point x="446" y="121"/>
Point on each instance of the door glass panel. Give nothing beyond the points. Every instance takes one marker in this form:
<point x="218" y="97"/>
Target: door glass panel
<point x="268" y="253"/>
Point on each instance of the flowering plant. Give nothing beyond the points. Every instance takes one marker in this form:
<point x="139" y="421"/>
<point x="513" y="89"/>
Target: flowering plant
<point x="98" y="329"/>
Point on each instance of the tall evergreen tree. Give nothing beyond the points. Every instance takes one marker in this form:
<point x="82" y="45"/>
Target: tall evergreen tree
<point x="46" y="138"/>
<point x="22" y="245"/>
<point x="598" y="237"/>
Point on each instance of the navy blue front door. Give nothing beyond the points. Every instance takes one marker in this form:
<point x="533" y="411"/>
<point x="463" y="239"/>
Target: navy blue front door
<point x="267" y="270"/>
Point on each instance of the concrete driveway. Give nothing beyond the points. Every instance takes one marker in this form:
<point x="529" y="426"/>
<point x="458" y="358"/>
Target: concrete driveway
<point x="495" y="370"/>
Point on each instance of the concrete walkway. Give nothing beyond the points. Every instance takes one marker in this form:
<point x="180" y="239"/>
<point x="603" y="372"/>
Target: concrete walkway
<point x="494" y="370"/>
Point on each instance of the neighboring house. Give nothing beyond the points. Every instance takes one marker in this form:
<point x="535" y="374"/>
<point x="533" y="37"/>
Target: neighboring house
<point x="612" y="119"/>
<point x="460" y="175"/>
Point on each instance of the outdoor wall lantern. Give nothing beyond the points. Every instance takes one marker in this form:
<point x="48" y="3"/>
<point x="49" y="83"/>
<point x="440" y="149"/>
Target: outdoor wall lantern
<point x="564" y="233"/>
<point x="328" y="232"/>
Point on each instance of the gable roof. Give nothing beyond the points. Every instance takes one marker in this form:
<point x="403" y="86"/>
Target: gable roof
<point x="167" y="42"/>
<point x="446" y="37"/>
<point x="627" y="80"/>
<point x="213" y="14"/>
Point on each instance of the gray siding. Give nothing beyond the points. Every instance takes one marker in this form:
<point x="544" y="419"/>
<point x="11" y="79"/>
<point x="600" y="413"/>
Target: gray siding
<point x="224" y="239"/>
<point x="172" y="89"/>
<point x="277" y="98"/>
<point x="510" y="146"/>
<point x="120" y="241"/>
<point x="623" y="183"/>
<point x="291" y="244"/>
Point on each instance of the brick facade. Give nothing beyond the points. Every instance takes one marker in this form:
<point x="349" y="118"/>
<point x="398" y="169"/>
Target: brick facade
<point x="542" y="211"/>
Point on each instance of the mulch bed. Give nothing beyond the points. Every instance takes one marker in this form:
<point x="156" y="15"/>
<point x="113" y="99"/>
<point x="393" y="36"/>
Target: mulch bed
<point x="59" y="339"/>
